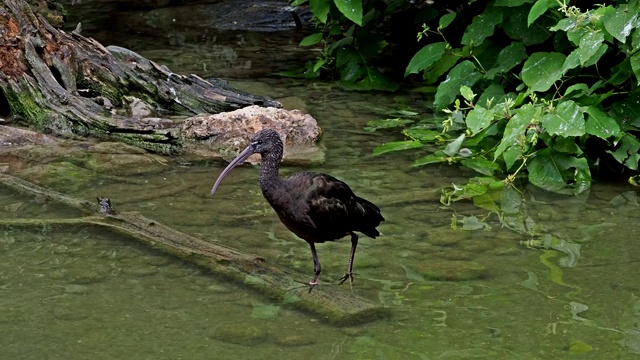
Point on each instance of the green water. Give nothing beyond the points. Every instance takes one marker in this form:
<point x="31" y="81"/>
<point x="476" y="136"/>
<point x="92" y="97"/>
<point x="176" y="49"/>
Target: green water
<point x="79" y="293"/>
<point x="82" y="293"/>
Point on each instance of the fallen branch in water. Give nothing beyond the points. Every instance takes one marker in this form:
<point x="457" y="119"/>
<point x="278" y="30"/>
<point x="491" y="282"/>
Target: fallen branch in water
<point x="332" y="303"/>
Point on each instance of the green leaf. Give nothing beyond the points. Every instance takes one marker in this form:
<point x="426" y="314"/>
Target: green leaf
<point x="508" y="58"/>
<point x="516" y="126"/>
<point x="511" y="201"/>
<point x="299" y="2"/>
<point x="373" y="79"/>
<point x="493" y="94"/>
<point x="489" y="200"/>
<point x="602" y="49"/>
<point x="463" y="74"/>
<point x="440" y="67"/>
<point x="542" y="69"/>
<point x="628" y="109"/>
<point x="600" y="124"/>
<point x="628" y="323"/>
<point x="486" y="135"/>
<point x="577" y="347"/>
<point x="558" y="172"/>
<point x="479" y="118"/>
<point x="512" y="154"/>
<point x="564" y="25"/>
<point x="531" y="282"/>
<point x="568" y="120"/>
<point x="434" y="158"/>
<point x="349" y="63"/>
<point x="589" y="45"/>
<point x="515" y="26"/>
<point x="538" y="9"/>
<point x="351" y="9"/>
<point x="370" y="45"/>
<point x="620" y="23"/>
<point x="396" y="146"/>
<point x="453" y="147"/>
<point x="576" y="90"/>
<point x="445" y="20"/>
<point x="635" y="66"/>
<point x="572" y="61"/>
<point x="470" y="223"/>
<point x="311" y="39"/>
<point x="357" y="75"/>
<point x="566" y="145"/>
<point x="374" y="125"/>
<point x="470" y="190"/>
<point x="319" y="64"/>
<point x="424" y="58"/>
<point x="423" y="135"/>
<point x="320" y="9"/>
<point x="481" y="165"/>
<point x="482" y="27"/>
<point x="635" y="39"/>
<point x="628" y="152"/>
<point x="575" y="35"/>
<point x="467" y="93"/>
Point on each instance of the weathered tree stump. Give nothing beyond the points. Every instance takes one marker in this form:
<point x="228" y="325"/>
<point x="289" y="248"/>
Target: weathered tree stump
<point x="69" y="85"/>
<point x="334" y="304"/>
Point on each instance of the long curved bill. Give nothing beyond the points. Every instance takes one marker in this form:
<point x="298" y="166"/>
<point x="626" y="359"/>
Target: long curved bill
<point x="235" y="162"/>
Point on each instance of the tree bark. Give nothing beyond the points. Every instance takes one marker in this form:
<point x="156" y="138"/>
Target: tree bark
<point x="69" y="85"/>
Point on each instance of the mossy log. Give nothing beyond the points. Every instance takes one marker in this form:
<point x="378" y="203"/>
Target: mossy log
<point x="69" y="85"/>
<point x="332" y="303"/>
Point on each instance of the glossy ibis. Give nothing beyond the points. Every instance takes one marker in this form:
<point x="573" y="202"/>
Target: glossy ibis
<point x="316" y="207"/>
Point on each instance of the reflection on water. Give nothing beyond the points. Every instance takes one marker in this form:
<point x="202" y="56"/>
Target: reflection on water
<point x="80" y="293"/>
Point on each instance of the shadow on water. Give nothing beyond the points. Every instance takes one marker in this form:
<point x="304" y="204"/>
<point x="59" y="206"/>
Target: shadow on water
<point x="78" y="293"/>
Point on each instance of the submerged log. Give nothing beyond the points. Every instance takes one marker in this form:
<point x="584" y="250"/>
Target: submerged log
<point x="334" y="304"/>
<point x="69" y="85"/>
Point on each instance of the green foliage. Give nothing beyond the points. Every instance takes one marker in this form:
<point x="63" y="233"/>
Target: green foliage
<point x="519" y="110"/>
<point x="347" y="31"/>
<point x="525" y="87"/>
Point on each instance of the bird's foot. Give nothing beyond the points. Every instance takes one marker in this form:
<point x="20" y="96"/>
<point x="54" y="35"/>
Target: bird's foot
<point x="345" y="277"/>
<point x="312" y="285"/>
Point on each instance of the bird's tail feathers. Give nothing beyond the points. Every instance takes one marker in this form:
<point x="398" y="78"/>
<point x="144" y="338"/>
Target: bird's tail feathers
<point x="371" y="217"/>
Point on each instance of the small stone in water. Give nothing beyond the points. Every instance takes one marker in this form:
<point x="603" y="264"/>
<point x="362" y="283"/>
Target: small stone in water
<point x="452" y="270"/>
<point x="293" y="340"/>
<point x="240" y="334"/>
<point x="76" y="289"/>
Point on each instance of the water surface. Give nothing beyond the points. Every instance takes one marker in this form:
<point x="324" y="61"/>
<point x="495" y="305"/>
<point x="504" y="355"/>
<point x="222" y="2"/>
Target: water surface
<point x="77" y="293"/>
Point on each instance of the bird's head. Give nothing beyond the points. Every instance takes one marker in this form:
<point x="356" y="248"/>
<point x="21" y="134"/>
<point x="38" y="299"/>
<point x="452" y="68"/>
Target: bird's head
<point x="264" y="142"/>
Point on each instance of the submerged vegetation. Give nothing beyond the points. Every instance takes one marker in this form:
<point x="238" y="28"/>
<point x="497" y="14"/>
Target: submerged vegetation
<point x="540" y="90"/>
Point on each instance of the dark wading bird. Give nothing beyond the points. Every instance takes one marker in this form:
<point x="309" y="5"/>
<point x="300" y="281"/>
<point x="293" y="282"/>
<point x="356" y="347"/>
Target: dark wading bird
<point x="316" y="207"/>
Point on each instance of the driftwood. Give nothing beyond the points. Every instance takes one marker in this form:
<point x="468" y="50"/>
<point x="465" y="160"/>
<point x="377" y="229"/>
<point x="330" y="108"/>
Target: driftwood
<point x="69" y="85"/>
<point x="332" y="303"/>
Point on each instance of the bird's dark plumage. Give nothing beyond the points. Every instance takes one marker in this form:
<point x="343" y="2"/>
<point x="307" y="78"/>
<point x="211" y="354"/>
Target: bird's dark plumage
<point x="316" y="207"/>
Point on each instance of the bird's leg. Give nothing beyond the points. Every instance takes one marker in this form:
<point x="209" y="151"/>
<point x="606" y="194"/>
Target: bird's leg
<point x="316" y="267"/>
<point x="354" y="244"/>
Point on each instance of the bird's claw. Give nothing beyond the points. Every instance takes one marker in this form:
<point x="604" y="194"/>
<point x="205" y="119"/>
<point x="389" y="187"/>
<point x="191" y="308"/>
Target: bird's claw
<point x="312" y="285"/>
<point x="345" y="277"/>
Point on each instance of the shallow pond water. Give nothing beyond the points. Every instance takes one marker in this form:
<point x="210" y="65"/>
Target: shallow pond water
<point x="78" y="292"/>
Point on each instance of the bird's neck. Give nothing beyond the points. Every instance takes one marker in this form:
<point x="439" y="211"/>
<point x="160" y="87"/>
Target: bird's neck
<point x="269" y="178"/>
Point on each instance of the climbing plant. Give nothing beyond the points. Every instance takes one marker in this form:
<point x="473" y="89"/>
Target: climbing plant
<point x="532" y="85"/>
<point x="535" y="89"/>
